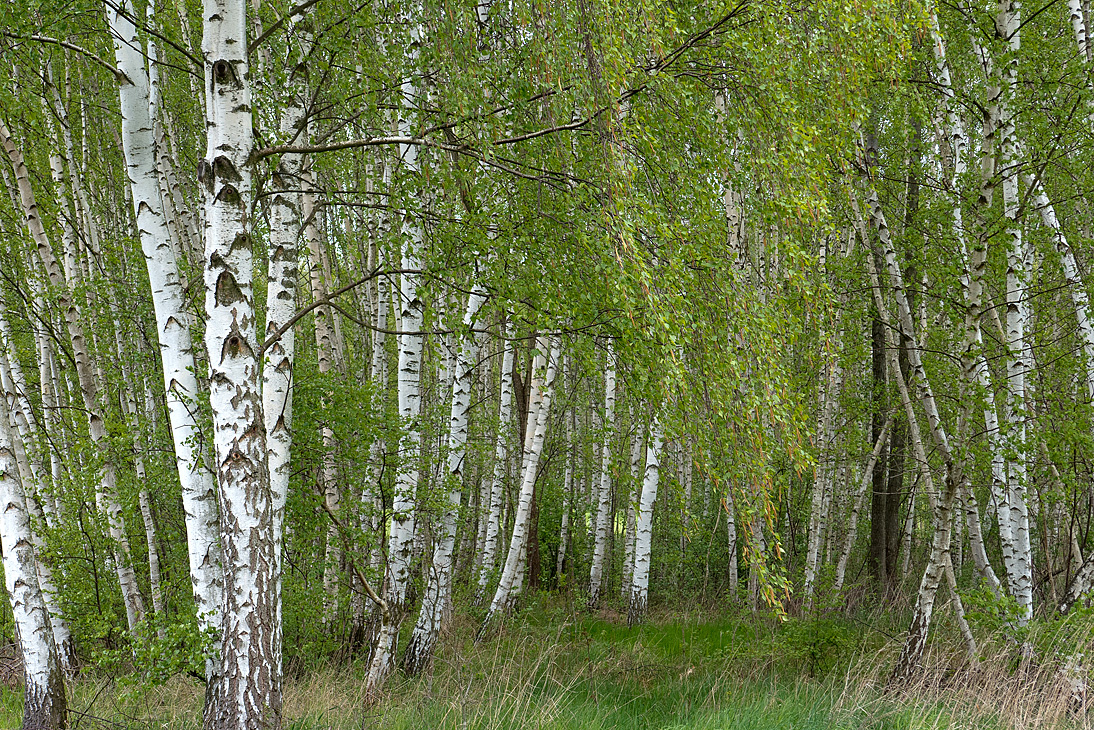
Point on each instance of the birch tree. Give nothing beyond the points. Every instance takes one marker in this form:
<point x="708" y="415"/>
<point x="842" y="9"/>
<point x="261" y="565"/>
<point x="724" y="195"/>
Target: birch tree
<point x="44" y="704"/>
<point x="249" y="695"/>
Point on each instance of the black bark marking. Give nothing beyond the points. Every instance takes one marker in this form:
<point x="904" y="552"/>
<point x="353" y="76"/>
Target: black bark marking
<point x="223" y="73"/>
<point x="225" y="170"/>
<point x="228" y="194"/>
<point x="228" y="291"/>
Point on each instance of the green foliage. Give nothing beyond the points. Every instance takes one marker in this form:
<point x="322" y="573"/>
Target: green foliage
<point x="156" y="658"/>
<point x="994" y="614"/>
<point x="822" y="643"/>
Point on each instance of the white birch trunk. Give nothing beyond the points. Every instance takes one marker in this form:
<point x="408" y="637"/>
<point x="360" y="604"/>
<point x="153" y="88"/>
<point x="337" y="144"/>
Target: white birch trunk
<point x="88" y="387"/>
<point x="822" y="482"/>
<point x="973" y="364"/>
<point x="1020" y="573"/>
<point x="731" y="542"/>
<point x="941" y="507"/>
<point x="31" y="474"/>
<point x="173" y="332"/>
<point x="856" y="507"/>
<point x="250" y="687"/>
<point x="435" y="604"/>
<point x="44" y="704"/>
<point x="604" y="491"/>
<point x="542" y="387"/>
<point x="401" y="543"/>
<point x="567" y="497"/>
<point x="634" y="494"/>
<point x="644" y="527"/>
<point x="501" y="459"/>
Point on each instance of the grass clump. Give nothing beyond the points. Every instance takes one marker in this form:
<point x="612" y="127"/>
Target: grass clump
<point x="703" y="669"/>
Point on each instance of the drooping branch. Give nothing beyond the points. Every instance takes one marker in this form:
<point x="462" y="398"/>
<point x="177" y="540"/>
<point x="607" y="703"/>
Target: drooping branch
<point x="114" y="71"/>
<point x="328" y="300"/>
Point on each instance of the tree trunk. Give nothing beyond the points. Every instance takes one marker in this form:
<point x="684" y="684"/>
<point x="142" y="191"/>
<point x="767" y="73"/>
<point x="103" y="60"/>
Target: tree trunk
<point x="44" y="706"/>
<point x="250" y="688"/>
<point x="175" y="346"/>
<point x="501" y="459"/>
<point x="541" y="392"/>
<point x="435" y="604"/>
<point x="644" y="528"/>
<point x="867" y="480"/>
<point x="604" y="493"/>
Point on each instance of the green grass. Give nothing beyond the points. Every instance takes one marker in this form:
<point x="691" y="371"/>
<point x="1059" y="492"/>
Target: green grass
<point x="547" y="669"/>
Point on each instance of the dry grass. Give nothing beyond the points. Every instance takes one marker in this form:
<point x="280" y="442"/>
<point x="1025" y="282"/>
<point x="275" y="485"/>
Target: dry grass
<point x="700" y="671"/>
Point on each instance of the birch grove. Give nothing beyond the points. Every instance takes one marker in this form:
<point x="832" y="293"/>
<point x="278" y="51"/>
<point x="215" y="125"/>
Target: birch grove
<point x="461" y="311"/>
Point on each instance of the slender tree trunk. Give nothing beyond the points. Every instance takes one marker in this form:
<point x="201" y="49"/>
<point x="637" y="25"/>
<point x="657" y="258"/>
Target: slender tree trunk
<point x="175" y="346"/>
<point x="604" y="493"/>
<point x="635" y="486"/>
<point x="942" y="507"/>
<point x="644" y="527"/>
<point x="543" y="378"/>
<point x="88" y="387"/>
<point x="731" y="541"/>
<point x="878" y="558"/>
<point x="856" y="507"/>
<point x="13" y="384"/>
<point x="501" y="459"/>
<point x="1018" y="362"/>
<point x="44" y="705"/>
<point x="438" y="595"/>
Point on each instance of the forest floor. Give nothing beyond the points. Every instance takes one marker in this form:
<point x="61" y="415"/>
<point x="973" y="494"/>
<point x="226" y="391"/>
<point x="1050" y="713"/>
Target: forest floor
<point x="685" y="669"/>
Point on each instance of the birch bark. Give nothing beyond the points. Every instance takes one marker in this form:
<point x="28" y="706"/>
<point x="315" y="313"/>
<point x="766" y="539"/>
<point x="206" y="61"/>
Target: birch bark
<point x="942" y="508"/>
<point x="1018" y="362"/>
<point x="44" y="705"/>
<point x="435" y="604"/>
<point x="250" y="688"/>
<point x="31" y="477"/>
<point x="644" y="527"/>
<point x="604" y="491"/>
<point x="88" y="387"/>
<point x="173" y="333"/>
<point x="544" y="369"/>
<point x="501" y="458"/>
<point x="634" y="494"/>
<point x="856" y="507"/>
<point x="401" y="543"/>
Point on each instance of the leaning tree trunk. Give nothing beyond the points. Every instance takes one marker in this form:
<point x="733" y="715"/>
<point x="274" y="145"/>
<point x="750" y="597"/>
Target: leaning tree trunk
<point x="44" y="705"/>
<point x="604" y="492"/>
<point x="644" y="527"/>
<point x="501" y="459"/>
<point x="250" y="688"/>
<point x="939" y="557"/>
<point x="438" y="594"/>
<point x="105" y="490"/>
<point x="173" y="324"/>
<point x="856" y="507"/>
<point x="541" y="392"/>
<point x="14" y="387"/>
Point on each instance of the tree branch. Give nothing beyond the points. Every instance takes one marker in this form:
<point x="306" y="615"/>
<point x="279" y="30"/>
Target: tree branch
<point x="353" y="564"/>
<point x="280" y="22"/>
<point x="327" y="300"/>
<point x="72" y="47"/>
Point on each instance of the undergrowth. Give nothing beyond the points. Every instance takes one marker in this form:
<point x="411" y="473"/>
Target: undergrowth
<point x="701" y="668"/>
